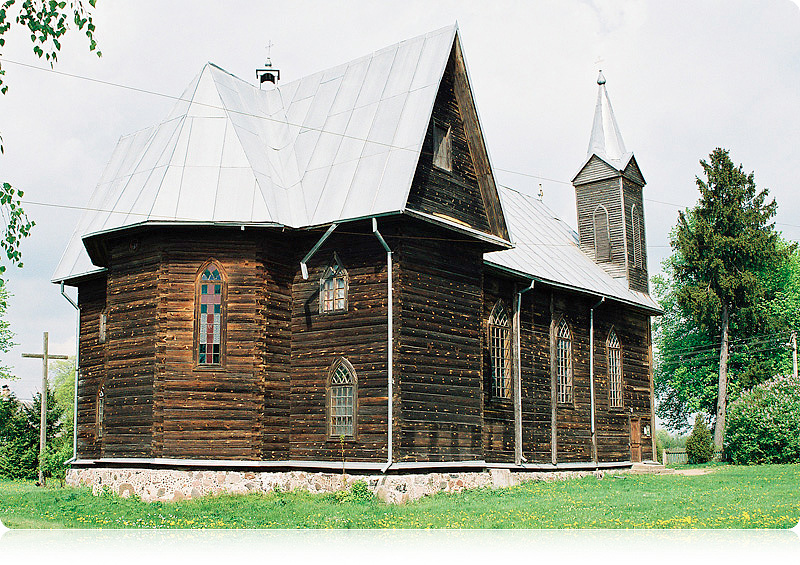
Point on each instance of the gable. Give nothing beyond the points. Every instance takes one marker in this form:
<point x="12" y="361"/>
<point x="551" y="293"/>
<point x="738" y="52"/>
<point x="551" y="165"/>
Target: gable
<point x="633" y="172"/>
<point x="594" y="170"/>
<point x="457" y="186"/>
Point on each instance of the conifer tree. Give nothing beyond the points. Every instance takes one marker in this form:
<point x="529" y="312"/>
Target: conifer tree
<point x="723" y="244"/>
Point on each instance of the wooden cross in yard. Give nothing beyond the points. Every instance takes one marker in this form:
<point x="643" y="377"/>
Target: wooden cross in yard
<point x="45" y="356"/>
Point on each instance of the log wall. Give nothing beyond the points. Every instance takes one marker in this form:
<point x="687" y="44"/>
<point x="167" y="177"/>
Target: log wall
<point x="92" y="303"/>
<point x="358" y="334"/>
<point x="439" y="346"/>
<point x="455" y="193"/>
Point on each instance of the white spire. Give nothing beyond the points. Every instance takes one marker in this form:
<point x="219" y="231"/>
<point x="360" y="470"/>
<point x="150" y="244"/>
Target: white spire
<point x="606" y="141"/>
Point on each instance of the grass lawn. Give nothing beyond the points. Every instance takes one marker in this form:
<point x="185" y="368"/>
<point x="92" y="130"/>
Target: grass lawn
<point x="764" y="496"/>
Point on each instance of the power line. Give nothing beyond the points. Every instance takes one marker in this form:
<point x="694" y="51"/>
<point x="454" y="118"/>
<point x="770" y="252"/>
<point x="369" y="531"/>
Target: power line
<point x="303" y="126"/>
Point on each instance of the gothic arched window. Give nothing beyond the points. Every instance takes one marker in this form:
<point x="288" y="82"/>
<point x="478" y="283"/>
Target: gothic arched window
<point x="564" y="362"/>
<point x="210" y="314"/>
<point x="500" y="351"/>
<point x="342" y="396"/>
<point x="602" y="237"/>
<point x="333" y="287"/>
<point x="614" y="370"/>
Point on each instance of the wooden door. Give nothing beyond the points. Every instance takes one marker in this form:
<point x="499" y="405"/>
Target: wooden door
<point x="636" y="441"/>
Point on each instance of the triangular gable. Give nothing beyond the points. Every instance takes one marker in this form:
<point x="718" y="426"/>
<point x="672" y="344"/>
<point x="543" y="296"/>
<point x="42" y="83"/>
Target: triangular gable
<point x="467" y="194"/>
<point x="595" y="169"/>
<point x="633" y="172"/>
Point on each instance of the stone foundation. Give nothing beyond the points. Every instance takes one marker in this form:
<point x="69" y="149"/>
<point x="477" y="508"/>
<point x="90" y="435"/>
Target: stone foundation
<point x="174" y="485"/>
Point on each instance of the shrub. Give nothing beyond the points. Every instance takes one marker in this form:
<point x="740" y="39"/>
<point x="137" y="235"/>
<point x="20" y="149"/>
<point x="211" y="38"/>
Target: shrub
<point x="764" y="423"/>
<point x="699" y="447"/>
<point x="358" y="492"/>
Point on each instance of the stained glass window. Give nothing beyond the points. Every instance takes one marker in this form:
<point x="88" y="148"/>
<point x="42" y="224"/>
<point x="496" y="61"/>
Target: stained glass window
<point x="342" y="400"/>
<point x="614" y="371"/>
<point x="564" y="362"/>
<point x="333" y="288"/>
<point x="500" y="351"/>
<point x="209" y="339"/>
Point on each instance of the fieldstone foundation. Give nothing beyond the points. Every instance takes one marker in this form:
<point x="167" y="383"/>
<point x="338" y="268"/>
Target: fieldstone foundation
<point x="174" y="485"/>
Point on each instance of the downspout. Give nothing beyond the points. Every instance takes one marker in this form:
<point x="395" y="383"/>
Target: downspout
<point x="310" y="254"/>
<point x="390" y="352"/>
<point x="518" y="456"/>
<point x="77" y="372"/>
<point x="591" y="374"/>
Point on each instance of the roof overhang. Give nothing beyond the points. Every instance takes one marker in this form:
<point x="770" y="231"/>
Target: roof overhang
<point x="496" y="243"/>
<point x="650" y="310"/>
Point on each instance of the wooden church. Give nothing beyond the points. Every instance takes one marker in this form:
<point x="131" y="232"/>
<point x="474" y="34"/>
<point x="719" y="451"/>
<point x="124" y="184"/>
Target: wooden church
<point x="326" y="271"/>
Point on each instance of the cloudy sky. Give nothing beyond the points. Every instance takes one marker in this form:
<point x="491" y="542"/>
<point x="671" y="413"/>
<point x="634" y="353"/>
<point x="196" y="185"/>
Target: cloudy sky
<point x="684" y="77"/>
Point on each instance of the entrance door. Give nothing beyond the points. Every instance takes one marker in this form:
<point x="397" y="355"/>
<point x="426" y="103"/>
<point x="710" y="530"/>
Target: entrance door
<point x="636" y="441"/>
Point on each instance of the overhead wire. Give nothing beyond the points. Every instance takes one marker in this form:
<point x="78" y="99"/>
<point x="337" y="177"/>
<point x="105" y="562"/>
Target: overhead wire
<point x="285" y="122"/>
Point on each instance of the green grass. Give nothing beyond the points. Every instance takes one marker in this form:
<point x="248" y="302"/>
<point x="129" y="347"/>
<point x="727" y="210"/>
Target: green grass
<point x="731" y="497"/>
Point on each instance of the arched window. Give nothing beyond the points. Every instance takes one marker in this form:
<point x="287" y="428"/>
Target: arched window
<point x="500" y="351"/>
<point x="333" y="287"/>
<point x="614" y="371"/>
<point x="638" y="257"/>
<point x="210" y="315"/>
<point x="342" y="400"/>
<point x="602" y="237"/>
<point x="564" y="362"/>
<point x="101" y="401"/>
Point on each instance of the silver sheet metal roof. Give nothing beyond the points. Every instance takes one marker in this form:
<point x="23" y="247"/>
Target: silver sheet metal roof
<point x="339" y="144"/>
<point x="606" y="139"/>
<point x="546" y="250"/>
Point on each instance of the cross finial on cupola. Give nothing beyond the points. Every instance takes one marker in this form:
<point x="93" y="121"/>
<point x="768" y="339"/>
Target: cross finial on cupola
<point x="606" y="141"/>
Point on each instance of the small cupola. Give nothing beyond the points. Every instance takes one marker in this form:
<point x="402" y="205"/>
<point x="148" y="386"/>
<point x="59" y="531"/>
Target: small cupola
<point x="268" y="73"/>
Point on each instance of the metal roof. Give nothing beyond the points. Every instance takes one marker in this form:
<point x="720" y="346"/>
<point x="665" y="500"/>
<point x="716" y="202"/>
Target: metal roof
<point x="546" y="250"/>
<point x="336" y="145"/>
<point x="606" y="140"/>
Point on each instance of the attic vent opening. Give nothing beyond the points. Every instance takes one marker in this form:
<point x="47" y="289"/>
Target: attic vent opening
<point x="442" y="148"/>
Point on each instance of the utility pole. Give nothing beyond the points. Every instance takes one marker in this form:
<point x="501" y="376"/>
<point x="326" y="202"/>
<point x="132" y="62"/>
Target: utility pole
<point x="45" y="357"/>
<point x="794" y="353"/>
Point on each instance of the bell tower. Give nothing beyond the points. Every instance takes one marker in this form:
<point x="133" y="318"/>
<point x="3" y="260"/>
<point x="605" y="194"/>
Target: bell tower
<point x="608" y="191"/>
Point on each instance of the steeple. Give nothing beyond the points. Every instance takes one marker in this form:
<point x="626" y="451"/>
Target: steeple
<point x="608" y="191"/>
<point x="606" y="141"/>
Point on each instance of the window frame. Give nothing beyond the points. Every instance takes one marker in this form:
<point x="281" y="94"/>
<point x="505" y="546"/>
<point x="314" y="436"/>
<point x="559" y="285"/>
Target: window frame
<point x="220" y="365"/>
<point x="501" y="386"/>
<point x="638" y="252"/>
<point x="612" y="378"/>
<point x="568" y="382"/>
<point x="333" y="272"/>
<point x="102" y="330"/>
<point x="99" y="411"/>
<point x="442" y="154"/>
<point x="341" y="362"/>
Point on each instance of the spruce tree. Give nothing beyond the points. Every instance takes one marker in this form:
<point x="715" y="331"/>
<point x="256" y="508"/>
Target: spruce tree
<point x="723" y="244"/>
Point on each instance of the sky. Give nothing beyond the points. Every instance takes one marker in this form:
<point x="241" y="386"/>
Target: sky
<point x="684" y="77"/>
